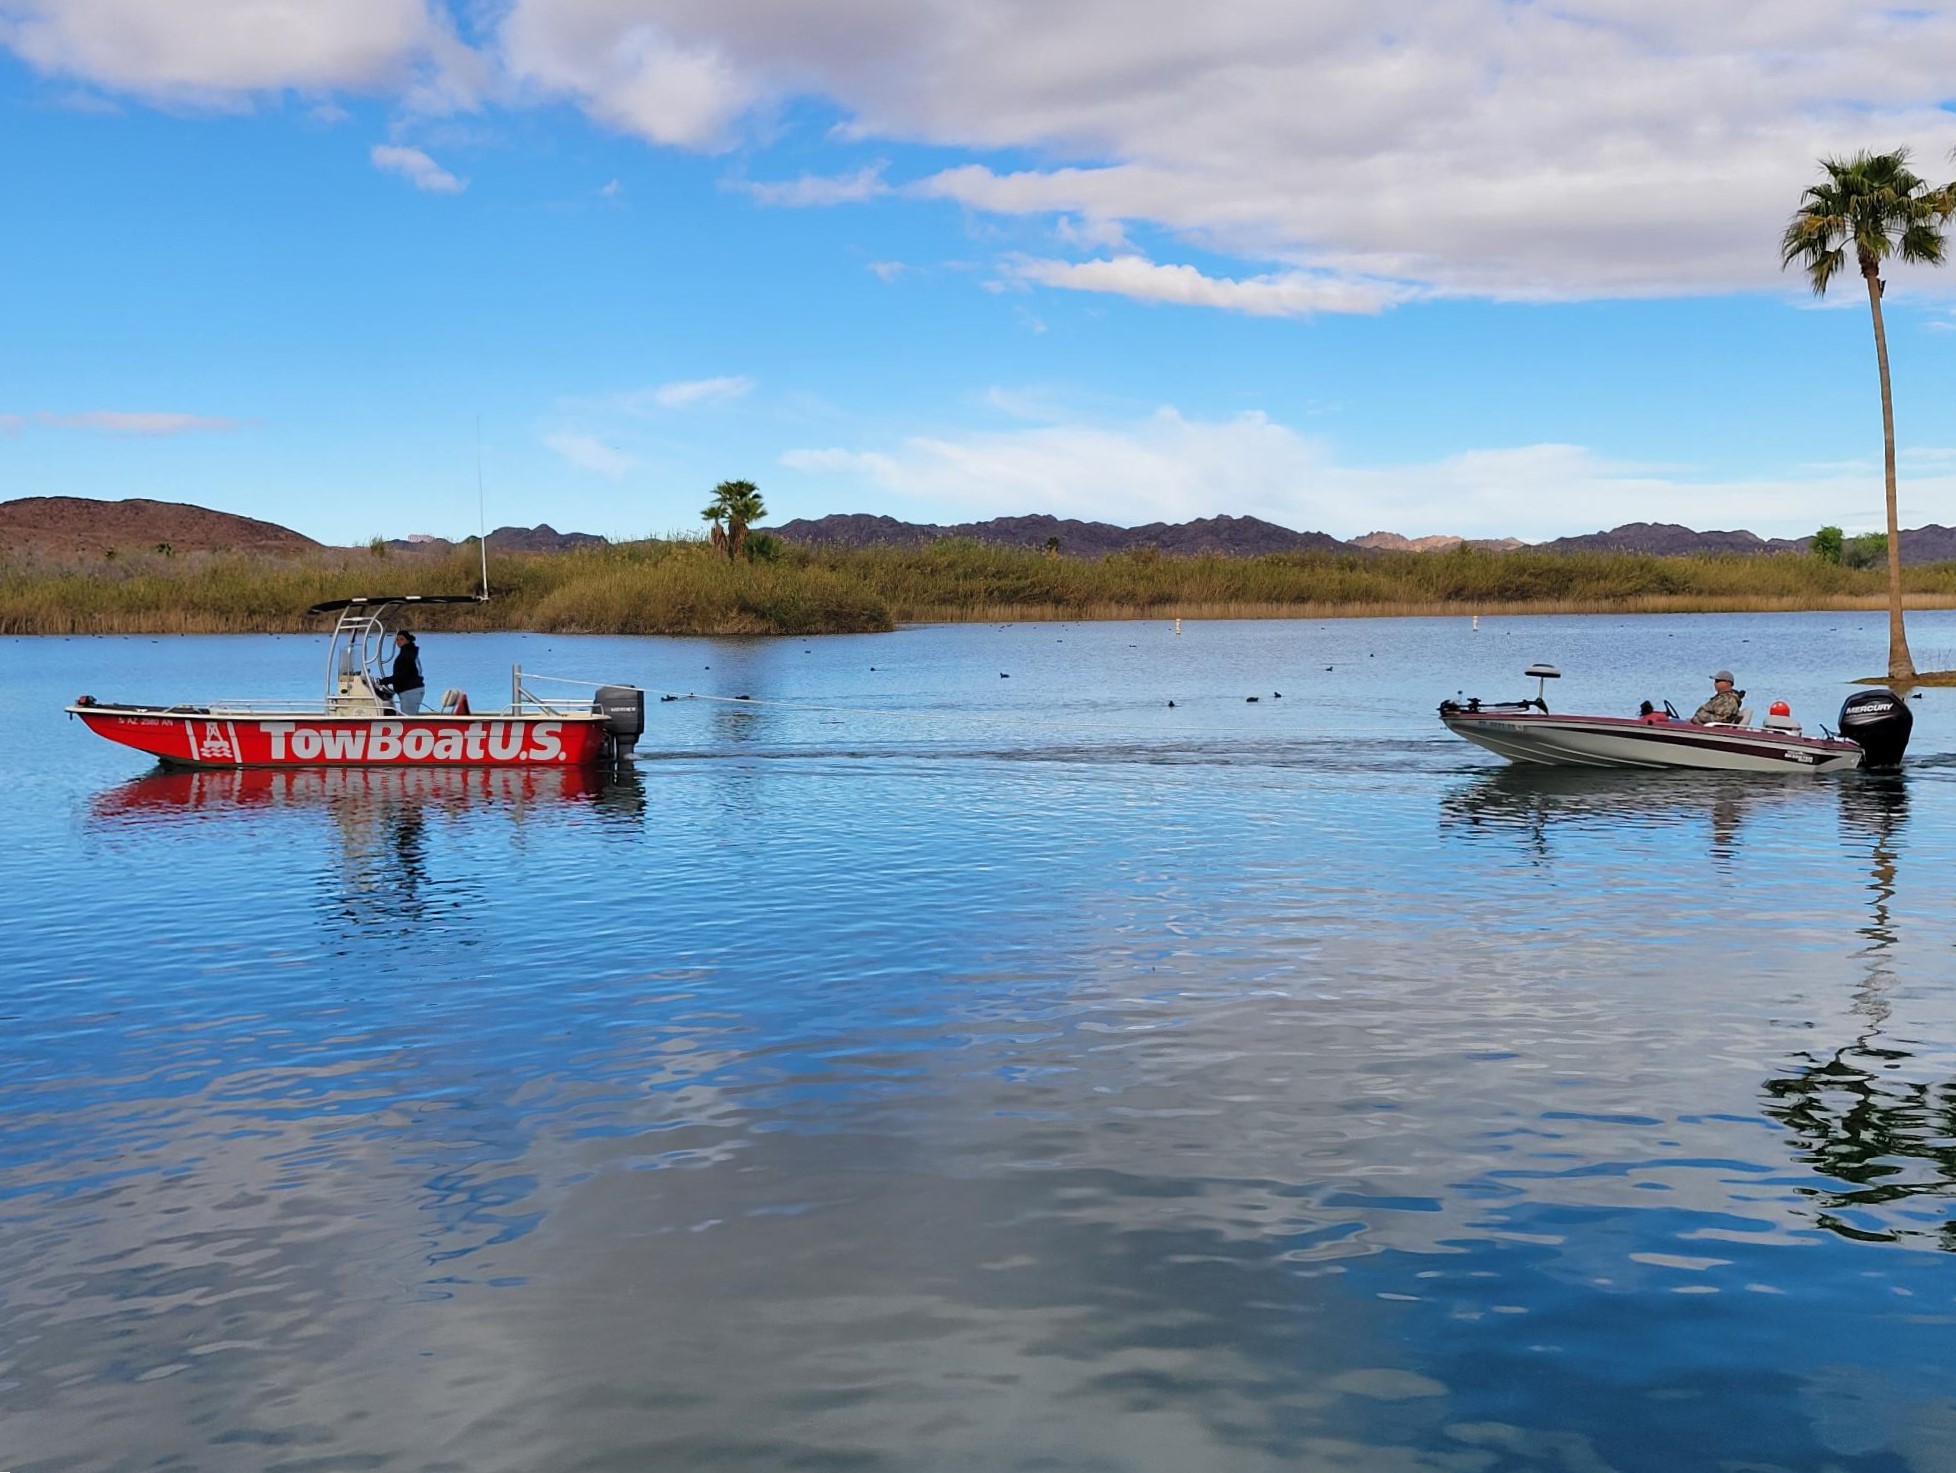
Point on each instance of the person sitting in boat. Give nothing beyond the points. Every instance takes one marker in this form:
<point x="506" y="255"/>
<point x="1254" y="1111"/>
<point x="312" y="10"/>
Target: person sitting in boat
<point x="405" y="684"/>
<point x="1725" y="705"/>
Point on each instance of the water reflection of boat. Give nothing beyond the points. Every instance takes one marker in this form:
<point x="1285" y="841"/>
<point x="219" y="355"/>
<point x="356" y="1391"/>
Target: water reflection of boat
<point x="1531" y="799"/>
<point x="169" y="791"/>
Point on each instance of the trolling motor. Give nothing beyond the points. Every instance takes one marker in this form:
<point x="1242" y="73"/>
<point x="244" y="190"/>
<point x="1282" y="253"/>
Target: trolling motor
<point x="1879" y="723"/>
<point x="1539" y="673"/>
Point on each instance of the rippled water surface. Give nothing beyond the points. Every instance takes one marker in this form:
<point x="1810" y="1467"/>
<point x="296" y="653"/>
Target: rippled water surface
<point x="956" y="1057"/>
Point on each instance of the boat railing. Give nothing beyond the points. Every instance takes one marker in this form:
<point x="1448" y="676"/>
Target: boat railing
<point x="522" y="699"/>
<point x="225" y="706"/>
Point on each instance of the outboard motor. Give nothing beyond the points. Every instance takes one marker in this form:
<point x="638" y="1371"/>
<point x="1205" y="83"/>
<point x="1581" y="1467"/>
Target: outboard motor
<point x="623" y="708"/>
<point x="1879" y="723"/>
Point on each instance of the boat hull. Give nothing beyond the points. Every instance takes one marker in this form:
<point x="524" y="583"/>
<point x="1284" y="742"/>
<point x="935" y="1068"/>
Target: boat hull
<point x="1608" y="741"/>
<point x="215" y="738"/>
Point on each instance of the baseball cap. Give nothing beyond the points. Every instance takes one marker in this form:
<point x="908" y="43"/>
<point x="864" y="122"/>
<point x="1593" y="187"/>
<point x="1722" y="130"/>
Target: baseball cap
<point x="1725" y="675"/>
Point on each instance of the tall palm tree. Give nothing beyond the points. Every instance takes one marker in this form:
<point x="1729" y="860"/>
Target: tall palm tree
<point x="738" y="504"/>
<point x="1876" y="206"/>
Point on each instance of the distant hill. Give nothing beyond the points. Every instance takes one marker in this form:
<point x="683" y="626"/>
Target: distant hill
<point x="1666" y="539"/>
<point x="70" y="524"/>
<point x="1930" y="544"/>
<point x="1252" y="537"/>
<point x="74" y="524"/>
<point x="1234" y="536"/>
<point x="541" y="538"/>
<point x="1393" y="542"/>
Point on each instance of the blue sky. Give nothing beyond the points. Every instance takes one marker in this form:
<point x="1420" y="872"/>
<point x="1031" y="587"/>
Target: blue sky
<point x="1428" y="267"/>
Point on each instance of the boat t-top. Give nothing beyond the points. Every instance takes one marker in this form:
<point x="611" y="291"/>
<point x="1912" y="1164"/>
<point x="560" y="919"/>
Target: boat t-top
<point x="357" y="724"/>
<point x="1873" y="732"/>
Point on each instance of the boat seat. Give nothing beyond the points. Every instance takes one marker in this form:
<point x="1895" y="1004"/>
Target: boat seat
<point x="1745" y="716"/>
<point x="1784" y="724"/>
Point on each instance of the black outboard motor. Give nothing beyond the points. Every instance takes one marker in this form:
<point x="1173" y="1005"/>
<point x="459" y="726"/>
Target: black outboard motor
<point x="1879" y="723"/>
<point x="623" y="708"/>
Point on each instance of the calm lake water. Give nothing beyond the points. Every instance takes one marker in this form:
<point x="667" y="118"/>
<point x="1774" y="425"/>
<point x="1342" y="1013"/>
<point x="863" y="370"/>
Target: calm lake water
<point x="947" y="1071"/>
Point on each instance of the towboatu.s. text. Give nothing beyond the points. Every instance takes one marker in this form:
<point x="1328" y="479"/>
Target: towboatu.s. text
<point x="357" y="725"/>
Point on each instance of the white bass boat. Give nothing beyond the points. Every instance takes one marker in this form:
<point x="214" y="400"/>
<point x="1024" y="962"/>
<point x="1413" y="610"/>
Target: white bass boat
<point x="1874" y="731"/>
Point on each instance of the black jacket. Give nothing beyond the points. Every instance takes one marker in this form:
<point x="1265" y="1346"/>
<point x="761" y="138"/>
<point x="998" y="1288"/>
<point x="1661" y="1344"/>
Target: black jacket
<point x="407" y="669"/>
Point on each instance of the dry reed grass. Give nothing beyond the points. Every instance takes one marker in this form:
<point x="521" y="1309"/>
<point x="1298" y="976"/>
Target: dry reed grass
<point x="680" y="587"/>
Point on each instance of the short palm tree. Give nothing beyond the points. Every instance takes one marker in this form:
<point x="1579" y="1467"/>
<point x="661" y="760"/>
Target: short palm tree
<point x="1876" y="206"/>
<point x="738" y="504"/>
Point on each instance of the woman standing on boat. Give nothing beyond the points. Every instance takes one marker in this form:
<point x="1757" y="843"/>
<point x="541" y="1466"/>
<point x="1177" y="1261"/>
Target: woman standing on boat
<point x="406" y="681"/>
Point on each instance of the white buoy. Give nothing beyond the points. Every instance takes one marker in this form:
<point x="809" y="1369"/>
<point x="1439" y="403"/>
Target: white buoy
<point x="1477" y="623"/>
<point x="1178" y="624"/>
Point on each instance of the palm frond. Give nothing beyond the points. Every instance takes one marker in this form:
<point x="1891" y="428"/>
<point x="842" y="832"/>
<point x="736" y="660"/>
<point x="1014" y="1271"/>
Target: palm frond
<point x="1873" y="202"/>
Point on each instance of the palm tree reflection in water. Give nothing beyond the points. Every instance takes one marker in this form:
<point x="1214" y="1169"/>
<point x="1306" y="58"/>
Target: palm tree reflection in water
<point x="1875" y="1136"/>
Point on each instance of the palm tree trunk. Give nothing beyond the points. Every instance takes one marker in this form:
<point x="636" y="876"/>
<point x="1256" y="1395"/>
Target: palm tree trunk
<point x="1900" y="666"/>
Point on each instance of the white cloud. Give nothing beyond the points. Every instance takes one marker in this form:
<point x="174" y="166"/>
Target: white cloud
<point x="684" y="393"/>
<point x="589" y="453"/>
<point x="1087" y="234"/>
<point x="413" y="164"/>
<point x="1466" y="147"/>
<point x="820" y="189"/>
<point x="215" y="50"/>
<point x="127" y="422"/>
<point x="612" y="190"/>
<point x="888" y="270"/>
<point x="10" y="423"/>
<point x="626" y="68"/>
<point x="1169" y="467"/>
<point x="1601" y="147"/>
<point x="1287" y="294"/>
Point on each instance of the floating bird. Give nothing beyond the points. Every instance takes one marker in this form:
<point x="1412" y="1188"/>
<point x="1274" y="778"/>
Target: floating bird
<point x="1276" y="695"/>
<point x="1171" y="705"/>
<point x="668" y="698"/>
<point x="1251" y="699"/>
<point x="1003" y="676"/>
<point x="1327" y="667"/>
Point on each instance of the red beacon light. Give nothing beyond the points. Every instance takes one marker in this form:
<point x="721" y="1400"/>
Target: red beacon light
<point x="1779" y="708"/>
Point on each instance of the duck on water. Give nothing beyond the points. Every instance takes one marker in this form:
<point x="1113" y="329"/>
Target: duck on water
<point x="1874" y="732"/>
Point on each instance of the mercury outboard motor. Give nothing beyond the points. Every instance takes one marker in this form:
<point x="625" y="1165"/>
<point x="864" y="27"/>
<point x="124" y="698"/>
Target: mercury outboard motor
<point x="623" y="708"/>
<point x="1879" y="723"/>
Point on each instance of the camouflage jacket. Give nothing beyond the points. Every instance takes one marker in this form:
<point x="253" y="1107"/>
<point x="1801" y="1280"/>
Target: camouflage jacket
<point x="1725" y="706"/>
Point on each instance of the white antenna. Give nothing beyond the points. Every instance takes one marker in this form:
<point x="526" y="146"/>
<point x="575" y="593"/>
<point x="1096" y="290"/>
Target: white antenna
<point x="481" y="513"/>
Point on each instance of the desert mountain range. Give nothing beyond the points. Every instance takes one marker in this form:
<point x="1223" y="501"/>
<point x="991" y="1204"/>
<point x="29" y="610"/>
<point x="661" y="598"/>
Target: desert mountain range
<point x="73" y="524"/>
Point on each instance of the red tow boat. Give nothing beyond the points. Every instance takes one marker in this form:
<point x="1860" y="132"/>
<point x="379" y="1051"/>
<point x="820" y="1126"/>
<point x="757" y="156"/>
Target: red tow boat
<point x="357" y="724"/>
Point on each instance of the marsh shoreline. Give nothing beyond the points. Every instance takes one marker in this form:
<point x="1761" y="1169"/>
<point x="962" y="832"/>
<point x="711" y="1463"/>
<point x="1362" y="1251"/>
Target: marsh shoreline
<point x="682" y="588"/>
